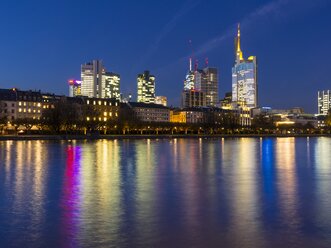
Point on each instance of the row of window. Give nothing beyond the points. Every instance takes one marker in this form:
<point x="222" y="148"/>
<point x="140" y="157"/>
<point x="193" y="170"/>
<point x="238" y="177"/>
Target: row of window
<point x="105" y="103"/>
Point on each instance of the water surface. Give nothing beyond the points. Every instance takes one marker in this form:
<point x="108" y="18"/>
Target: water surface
<point x="243" y="192"/>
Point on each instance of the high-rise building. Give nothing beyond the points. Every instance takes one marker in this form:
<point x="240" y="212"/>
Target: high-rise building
<point x="209" y="85"/>
<point x="205" y="81"/>
<point x="244" y="78"/>
<point x="75" y="88"/>
<point x="146" y="88"/>
<point x="189" y="82"/>
<point x="91" y="76"/>
<point x="324" y="102"/>
<point x="111" y="85"/>
<point x="162" y="100"/>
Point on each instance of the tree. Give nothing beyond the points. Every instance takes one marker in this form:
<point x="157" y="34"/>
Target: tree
<point x="3" y="123"/>
<point x="328" y="119"/>
<point x="61" y="116"/>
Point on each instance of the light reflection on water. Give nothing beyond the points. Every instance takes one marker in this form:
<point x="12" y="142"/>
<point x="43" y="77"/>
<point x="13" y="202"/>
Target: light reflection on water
<point x="170" y="193"/>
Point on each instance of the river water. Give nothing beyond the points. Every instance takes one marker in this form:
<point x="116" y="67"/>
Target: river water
<point x="240" y="192"/>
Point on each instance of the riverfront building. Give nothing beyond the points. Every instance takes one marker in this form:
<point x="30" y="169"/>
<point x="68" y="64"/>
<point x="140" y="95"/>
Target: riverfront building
<point x="244" y="78"/>
<point x="149" y="112"/>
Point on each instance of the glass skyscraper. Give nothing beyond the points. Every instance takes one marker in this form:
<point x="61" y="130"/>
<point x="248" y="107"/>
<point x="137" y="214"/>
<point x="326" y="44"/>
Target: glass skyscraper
<point x="146" y="88"/>
<point x="111" y="85"/>
<point x="244" y="78"/>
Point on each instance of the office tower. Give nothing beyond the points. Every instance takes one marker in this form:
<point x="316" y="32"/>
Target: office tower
<point x="146" y="88"/>
<point x="91" y="76"/>
<point x="189" y="82"/>
<point x="209" y="85"/>
<point x="111" y="85"/>
<point x="162" y="100"/>
<point x="324" y="102"/>
<point x="244" y="78"/>
<point x="75" y="88"/>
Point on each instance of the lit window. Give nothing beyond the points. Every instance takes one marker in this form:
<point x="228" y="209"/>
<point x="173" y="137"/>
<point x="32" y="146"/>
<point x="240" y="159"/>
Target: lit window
<point x="20" y="104"/>
<point x="105" y="113"/>
<point x="39" y="105"/>
<point x="105" y="119"/>
<point x="87" y="118"/>
<point x="19" y="110"/>
<point x="110" y="114"/>
<point x="88" y="102"/>
<point x="99" y="102"/>
<point x="105" y="103"/>
<point x="29" y="110"/>
<point x="93" y="102"/>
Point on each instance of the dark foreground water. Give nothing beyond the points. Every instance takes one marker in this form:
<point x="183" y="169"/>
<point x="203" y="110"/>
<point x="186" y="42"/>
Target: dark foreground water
<point x="245" y="192"/>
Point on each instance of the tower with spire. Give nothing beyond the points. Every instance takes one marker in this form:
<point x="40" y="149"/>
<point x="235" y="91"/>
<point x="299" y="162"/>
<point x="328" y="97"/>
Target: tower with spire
<point x="244" y="77"/>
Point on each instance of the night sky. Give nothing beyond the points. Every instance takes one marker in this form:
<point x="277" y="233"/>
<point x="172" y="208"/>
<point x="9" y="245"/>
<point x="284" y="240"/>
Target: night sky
<point x="43" y="43"/>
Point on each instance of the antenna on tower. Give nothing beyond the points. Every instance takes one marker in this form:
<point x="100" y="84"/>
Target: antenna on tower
<point x="206" y="62"/>
<point x="196" y="65"/>
<point x="192" y="53"/>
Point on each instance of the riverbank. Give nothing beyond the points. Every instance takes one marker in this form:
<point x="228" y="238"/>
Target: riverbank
<point x="151" y="136"/>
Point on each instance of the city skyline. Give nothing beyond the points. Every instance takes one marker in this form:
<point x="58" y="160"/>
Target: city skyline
<point x="279" y="42"/>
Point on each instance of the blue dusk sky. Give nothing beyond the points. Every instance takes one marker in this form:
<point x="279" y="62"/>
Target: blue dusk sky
<point x="43" y="43"/>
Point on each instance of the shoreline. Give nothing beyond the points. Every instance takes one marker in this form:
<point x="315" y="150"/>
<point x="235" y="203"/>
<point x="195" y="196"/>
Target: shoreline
<point x="151" y="136"/>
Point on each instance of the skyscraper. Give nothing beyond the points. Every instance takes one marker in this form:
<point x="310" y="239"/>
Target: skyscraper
<point x="111" y="85"/>
<point x="324" y="102"/>
<point x="204" y="83"/>
<point x="244" y="78"/>
<point x="146" y="87"/>
<point x="75" y="88"/>
<point x="91" y="76"/>
<point x="209" y="85"/>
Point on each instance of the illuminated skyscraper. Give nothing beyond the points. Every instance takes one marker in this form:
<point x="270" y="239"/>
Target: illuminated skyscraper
<point x="209" y="85"/>
<point x="91" y="76"/>
<point x="111" y="85"/>
<point x="324" y="102"/>
<point x="244" y="78"/>
<point x="75" y="88"/>
<point x="146" y="87"/>
<point x="189" y="82"/>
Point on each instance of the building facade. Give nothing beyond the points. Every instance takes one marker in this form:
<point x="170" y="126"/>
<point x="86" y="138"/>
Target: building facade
<point x="324" y="102"/>
<point x="161" y="100"/>
<point x="91" y="76"/>
<point x="209" y="86"/>
<point x="150" y="112"/>
<point x="146" y="88"/>
<point x="193" y="98"/>
<point x="244" y="78"/>
<point x="75" y="88"/>
<point x="111" y="85"/>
